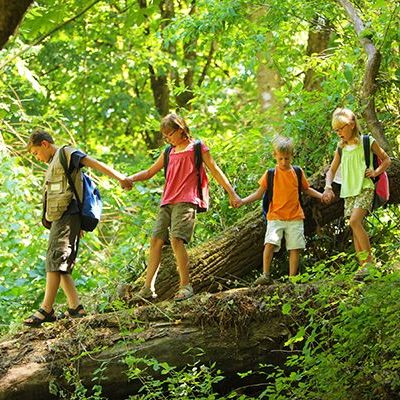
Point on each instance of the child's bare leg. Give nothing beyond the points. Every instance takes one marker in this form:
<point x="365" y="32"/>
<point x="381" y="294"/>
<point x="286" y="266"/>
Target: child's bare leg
<point x="156" y="245"/>
<point x="182" y="260"/>
<point x="68" y="286"/>
<point x="360" y="235"/>
<point x="294" y="257"/>
<point x="267" y="257"/>
<point x="52" y="285"/>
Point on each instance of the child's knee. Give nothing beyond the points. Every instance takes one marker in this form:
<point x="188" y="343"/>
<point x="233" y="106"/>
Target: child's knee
<point x="177" y="242"/>
<point x="355" y="221"/>
<point x="156" y="242"/>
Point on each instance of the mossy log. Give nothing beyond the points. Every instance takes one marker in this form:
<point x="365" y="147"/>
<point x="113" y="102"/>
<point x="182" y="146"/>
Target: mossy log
<point x="238" y="250"/>
<point x="237" y="330"/>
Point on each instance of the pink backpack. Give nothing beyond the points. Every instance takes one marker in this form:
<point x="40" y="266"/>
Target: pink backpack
<point x="381" y="195"/>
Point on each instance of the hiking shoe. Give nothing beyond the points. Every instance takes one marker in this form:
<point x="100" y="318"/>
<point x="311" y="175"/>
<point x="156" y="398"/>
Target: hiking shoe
<point x="361" y="274"/>
<point x="185" y="292"/>
<point x="145" y="293"/>
<point x="263" y="279"/>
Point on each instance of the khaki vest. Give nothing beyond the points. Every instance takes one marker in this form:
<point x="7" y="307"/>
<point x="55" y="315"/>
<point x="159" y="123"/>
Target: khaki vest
<point x="57" y="191"/>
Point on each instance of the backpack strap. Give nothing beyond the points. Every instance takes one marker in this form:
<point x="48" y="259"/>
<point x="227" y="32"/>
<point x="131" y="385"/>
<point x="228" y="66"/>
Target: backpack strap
<point x="299" y="174"/>
<point x="167" y="151"/>
<point x="267" y="198"/>
<point x="198" y="161"/>
<point x="270" y="184"/>
<point x="63" y="161"/>
<point x="367" y="150"/>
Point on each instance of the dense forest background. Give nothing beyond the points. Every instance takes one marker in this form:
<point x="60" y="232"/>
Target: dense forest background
<point x="101" y="74"/>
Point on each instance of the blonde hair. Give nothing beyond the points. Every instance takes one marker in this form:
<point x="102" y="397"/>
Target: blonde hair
<point x="282" y="144"/>
<point x="344" y="116"/>
<point x="173" y="122"/>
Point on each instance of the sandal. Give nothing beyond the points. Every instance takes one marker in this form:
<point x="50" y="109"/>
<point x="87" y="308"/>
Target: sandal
<point x="73" y="313"/>
<point x="185" y="292"/>
<point x="34" y="321"/>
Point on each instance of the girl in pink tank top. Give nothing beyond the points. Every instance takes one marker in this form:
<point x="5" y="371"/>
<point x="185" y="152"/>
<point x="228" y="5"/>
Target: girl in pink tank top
<point x="180" y="200"/>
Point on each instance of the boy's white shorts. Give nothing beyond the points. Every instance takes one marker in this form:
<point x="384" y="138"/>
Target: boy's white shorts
<point x="293" y="231"/>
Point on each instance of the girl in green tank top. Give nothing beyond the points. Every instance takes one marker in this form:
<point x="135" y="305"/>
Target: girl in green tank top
<point x="357" y="187"/>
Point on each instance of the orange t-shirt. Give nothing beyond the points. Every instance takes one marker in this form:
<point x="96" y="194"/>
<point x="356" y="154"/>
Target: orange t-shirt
<point x="285" y="204"/>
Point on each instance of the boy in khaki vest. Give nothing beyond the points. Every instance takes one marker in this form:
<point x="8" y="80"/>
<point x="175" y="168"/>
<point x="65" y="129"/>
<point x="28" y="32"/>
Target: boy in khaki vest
<point x="61" y="215"/>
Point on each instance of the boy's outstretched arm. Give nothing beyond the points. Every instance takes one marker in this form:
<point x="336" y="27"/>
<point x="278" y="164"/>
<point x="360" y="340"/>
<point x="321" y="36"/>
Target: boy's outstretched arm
<point x="148" y="173"/>
<point x="107" y="170"/>
<point x="257" y="195"/>
<point x="313" y="193"/>
<point x="220" y="177"/>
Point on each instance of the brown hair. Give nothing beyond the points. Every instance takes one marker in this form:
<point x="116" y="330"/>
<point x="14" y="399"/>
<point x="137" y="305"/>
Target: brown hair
<point x="172" y="122"/>
<point x="37" y="137"/>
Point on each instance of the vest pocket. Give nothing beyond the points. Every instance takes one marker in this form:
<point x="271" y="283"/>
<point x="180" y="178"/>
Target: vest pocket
<point x="55" y="186"/>
<point x="57" y="205"/>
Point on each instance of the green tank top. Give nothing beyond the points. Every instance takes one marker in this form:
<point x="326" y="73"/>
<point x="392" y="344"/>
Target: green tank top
<point x="353" y="170"/>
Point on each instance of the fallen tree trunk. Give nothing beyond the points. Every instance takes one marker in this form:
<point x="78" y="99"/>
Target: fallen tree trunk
<point x="237" y="330"/>
<point x="238" y="250"/>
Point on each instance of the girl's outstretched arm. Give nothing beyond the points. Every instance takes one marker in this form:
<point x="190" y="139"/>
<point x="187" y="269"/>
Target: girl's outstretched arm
<point x="220" y="177"/>
<point x="149" y="173"/>
<point x="328" y="194"/>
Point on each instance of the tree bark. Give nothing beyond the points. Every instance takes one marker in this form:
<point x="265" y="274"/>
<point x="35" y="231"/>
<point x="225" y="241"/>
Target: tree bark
<point x="11" y="14"/>
<point x="230" y="328"/>
<point x="319" y="35"/>
<point x="237" y="252"/>
<point x="369" y="85"/>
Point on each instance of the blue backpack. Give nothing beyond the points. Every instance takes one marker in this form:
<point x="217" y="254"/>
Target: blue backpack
<point x="267" y="198"/>
<point x="90" y="206"/>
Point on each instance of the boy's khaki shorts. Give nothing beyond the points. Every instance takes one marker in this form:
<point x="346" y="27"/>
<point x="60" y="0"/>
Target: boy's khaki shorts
<point x="175" y="220"/>
<point x="61" y="251"/>
<point x="293" y="231"/>
<point x="363" y="200"/>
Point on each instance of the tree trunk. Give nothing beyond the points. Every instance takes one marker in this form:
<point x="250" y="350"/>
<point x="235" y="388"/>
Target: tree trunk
<point x="230" y="328"/>
<point x="238" y="250"/>
<point x="11" y="13"/>
<point x="319" y="35"/>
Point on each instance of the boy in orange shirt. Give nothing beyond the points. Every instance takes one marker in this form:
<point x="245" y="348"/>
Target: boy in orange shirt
<point x="285" y="215"/>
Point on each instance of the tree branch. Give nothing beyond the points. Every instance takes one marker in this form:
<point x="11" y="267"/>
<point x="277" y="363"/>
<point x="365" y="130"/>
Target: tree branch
<point x="369" y="85"/>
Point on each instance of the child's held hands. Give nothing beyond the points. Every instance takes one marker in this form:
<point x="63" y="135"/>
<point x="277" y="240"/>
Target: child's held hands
<point x="235" y="201"/>
<point x="328" y="196"/>
<point x="126" y="182"/>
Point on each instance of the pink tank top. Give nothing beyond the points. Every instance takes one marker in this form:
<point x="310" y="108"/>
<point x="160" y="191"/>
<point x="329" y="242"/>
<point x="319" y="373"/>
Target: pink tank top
<point x="181" y="181"/>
